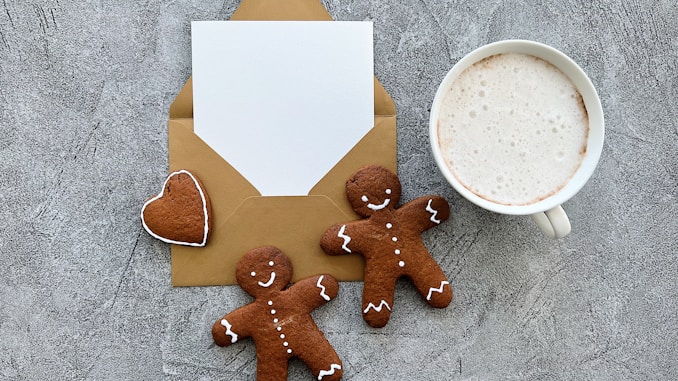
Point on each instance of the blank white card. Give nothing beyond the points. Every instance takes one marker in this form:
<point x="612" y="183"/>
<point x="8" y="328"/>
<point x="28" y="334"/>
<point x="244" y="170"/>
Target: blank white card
<point x="282" y="101"/>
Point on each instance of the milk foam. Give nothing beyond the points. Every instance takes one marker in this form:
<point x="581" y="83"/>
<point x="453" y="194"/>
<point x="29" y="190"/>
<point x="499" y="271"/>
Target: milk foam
<point x="513" y="129"/>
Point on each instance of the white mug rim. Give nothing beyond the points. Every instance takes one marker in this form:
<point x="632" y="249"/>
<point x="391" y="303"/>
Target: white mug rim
<point x="591" y="102"/>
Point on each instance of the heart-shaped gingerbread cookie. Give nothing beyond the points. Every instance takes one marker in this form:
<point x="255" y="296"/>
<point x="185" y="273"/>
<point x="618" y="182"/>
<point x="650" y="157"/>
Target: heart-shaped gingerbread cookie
<point x="180" y="214"/>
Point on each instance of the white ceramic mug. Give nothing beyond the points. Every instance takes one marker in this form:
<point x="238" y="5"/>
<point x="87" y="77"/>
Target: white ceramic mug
<point x="547" y="213"/>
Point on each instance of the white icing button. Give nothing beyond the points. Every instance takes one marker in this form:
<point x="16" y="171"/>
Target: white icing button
<point x="272" y="312"/>
<point x="270" y="263"/>
<point x="286" y="343"/>
<point x="279" y="329"/>
<point x="289" y="351"/>
<point x="397" y="251"/>
<point x="389" y="225"/>
<point x="270" y="302"/>
<point x="282" y="335"/>
<point x="275" y="321"/>
<point x="394" y="239"/>
<point x="401" y="263"/>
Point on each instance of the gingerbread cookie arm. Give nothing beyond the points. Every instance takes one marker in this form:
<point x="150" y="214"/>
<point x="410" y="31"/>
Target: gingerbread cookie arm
<point x="425" y="212"/>
<point x="232" y="327"/>
<point x="339" y="239"/>
<point x="315" y="291"/>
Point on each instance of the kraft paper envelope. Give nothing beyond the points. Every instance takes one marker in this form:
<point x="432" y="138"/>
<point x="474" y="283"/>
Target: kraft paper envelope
<point x="243" y="219"/>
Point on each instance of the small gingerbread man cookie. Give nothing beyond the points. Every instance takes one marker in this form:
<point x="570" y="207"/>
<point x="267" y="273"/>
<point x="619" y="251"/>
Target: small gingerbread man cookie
<point x="390" y="241"/>
<point x="279" y="319"/>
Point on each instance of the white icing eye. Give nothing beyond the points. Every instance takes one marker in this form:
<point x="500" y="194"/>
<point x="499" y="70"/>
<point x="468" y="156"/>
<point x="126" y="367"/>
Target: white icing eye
<point x="270" y="263"/>
<point x="365" y="199"/>
<point x="253" y="273"/>
<point x="388" y="191"/>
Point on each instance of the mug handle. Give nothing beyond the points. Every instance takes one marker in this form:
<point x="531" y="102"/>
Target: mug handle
<point x="553" y="222"/>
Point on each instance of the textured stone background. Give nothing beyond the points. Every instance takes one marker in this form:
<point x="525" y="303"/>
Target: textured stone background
<point x="85" y="293"/>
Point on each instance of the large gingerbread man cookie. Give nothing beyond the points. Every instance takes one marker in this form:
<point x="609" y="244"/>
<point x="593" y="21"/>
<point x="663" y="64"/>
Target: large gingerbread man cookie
<point x="390" y="241"/>
<point x="279" y="319"/>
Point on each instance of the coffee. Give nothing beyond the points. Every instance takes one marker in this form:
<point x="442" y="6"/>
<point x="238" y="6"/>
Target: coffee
<point x="513" y="129"/>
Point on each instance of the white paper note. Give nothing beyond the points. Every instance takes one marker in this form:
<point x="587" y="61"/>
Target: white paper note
<point x="282" y="101"/>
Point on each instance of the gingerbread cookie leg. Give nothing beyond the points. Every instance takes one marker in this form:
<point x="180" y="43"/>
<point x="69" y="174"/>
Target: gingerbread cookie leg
<point x="378" y="292"/>
<point x="320" y="358"/>
<point x="271" y="368"/>
<point x="432" y="283"/>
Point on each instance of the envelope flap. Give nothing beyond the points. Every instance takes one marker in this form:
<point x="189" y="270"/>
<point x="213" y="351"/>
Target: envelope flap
<point x="296" y="10"/>
<point x="293" y="224"/>
<point x="226" y="187"/>
<point x="182" y="107"/>
<point x="383" y="103"/>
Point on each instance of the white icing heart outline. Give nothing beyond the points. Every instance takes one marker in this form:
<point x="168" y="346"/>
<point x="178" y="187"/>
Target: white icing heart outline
<point x="162" y="193"/>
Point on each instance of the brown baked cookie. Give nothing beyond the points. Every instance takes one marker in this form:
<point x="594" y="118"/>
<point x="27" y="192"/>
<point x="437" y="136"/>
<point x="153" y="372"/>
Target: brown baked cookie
<point x="390" y="240"/>
<point x="180" y="214"/>
<point x="279" y="320"/>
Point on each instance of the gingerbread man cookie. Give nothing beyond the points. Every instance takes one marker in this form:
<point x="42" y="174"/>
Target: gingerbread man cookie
<point x="279" y="319"/>
<point x="390" y="241"/>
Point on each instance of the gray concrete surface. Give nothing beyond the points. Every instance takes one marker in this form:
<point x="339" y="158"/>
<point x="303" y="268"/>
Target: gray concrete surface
<point x="85" y="293"/>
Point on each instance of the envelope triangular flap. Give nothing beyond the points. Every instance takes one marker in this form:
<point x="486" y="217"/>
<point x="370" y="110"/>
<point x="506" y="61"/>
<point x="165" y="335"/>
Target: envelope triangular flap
<point x="242" y="219"/>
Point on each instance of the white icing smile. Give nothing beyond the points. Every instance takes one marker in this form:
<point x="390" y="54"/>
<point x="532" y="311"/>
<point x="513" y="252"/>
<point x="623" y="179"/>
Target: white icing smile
<point x="270" y="281"/>
<point x="380" y="206"/>
<point x="377" y="206"/>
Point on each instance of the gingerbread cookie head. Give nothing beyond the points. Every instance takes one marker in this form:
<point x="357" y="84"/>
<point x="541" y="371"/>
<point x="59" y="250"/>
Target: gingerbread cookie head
<point x="263" y="270"/>
<point x="373" y="188"/>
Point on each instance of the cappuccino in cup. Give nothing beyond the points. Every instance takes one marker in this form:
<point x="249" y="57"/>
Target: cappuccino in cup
<point x="512" y="129"/>
<point x="517" y="127"/>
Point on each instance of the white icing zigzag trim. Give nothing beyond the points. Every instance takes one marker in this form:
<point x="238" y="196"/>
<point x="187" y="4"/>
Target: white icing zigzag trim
<point x="433" y="212"/>
<point x="234" y="336"/>
<point x="329" y="372"/>
<point x="346" y="238"/>
<point x="378" y="309"/>
<point x="322" y="288"/>
<point x="204" y="212"/>
<point x="438" y="290"/>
